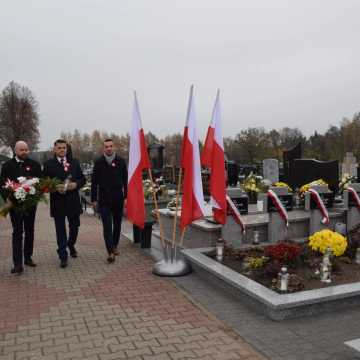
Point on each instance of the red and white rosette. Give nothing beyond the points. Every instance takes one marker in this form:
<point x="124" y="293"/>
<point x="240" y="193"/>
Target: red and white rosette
<point x="66" y="166"/>
<point x="355" y="195"/>
<point x="235" y="213"/>
<point x="279" y="206"/>
<point x="320" y="204"/>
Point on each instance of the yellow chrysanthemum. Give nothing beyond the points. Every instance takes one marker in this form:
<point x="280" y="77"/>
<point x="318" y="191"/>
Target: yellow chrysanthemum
<point x="282" y="184"/>
<point x="323" y="239"/>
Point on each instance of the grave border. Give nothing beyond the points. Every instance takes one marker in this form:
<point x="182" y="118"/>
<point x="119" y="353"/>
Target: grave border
<point x="261" y="299"/>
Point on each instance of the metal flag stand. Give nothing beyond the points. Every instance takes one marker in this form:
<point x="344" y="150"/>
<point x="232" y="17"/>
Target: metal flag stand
<point x="172" y="265"/>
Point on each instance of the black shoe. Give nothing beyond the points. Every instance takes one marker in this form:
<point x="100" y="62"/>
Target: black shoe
<point x="73" y="253"/>
<point x="63" y="264"/>
<point x="29" y="262"/>
<point x="17" y="270"/>
<point x="111" y="258"/>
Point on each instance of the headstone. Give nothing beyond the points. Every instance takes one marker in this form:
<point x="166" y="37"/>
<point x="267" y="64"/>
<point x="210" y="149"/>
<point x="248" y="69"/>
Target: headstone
<point x="240" y="200"/>
<point x="315" y="215"/>
<point x="156" y="155"/>
<point x="271" y="170"/>
<point x="277" y="229"/>
<point x="349" y="165"/>
<point x="169" y="174"/>
<point x="288" y="157"/>
<point x="304" y="171"/>
<point x="232" y="173"/>
<point x="205" y="177"/>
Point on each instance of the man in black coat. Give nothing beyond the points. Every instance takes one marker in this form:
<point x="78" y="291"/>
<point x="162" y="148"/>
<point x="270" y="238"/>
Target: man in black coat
<point x="65" y="203"/>
<point x="108" y="192"/>
<point x="21" y="166"/>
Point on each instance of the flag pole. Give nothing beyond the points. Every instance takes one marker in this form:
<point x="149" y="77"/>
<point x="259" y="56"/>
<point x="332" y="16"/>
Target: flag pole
<point x="176" y="209"/>
<point x="182" y="236"/>
<point x="157" y="215"/>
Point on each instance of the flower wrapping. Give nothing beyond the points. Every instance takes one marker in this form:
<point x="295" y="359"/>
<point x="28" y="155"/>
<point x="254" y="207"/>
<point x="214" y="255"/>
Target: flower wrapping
<point x="25" y="193"/>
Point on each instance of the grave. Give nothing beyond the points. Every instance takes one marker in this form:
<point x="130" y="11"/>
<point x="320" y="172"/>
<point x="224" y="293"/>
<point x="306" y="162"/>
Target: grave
<point x="265" y="301"/>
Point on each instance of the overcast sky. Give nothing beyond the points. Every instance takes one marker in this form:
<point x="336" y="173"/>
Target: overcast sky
<point x="277" y="63"/>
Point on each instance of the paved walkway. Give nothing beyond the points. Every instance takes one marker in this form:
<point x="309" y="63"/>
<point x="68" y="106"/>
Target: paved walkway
<point x="93" y="310"/>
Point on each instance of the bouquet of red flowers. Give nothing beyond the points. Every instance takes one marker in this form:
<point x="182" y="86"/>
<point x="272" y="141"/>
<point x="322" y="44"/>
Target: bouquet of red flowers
<point x="283" y="252"/>
<point x="25" y="193"/>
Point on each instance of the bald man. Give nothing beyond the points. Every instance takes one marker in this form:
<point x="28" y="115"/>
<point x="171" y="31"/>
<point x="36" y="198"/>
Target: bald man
<point x="21" y="165"/>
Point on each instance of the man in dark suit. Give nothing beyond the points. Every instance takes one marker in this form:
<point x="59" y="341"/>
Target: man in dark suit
<point x="21" y="165"/>
<point x="108" y="192"/>
<point x="65" y="203"/>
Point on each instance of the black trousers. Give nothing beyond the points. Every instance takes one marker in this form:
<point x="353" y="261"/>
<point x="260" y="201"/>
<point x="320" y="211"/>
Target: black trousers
<point x="22" y="224"/>
<point x="63" y="240"/>
<point x="111" y="216"/>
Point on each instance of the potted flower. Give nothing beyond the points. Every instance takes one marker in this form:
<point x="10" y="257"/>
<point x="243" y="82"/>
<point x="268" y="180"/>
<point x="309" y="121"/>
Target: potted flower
<point x="306" y="187"/>
<point x="321" y="240"/>
<point x="161" y="193"/>
<point x="252" y="185"/>
<point x="346" y="180"/>
<point x="283" y="185"/>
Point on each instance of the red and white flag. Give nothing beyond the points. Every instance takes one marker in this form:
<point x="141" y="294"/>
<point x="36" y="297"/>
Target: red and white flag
<point x="320" y="204"/>
<point x="192" y="206"/>
<point x="138" y="161"/>
<point x="355" y="196"/>
<point x="213" y="157"/>
<point x="279" y="206"/>
<point x="235" y="213"/>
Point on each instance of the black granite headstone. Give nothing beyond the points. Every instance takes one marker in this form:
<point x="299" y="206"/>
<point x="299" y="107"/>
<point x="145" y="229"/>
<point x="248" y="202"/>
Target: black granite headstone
<point x="327" y="198"/>
<point x="205" y="177"/>
<point x="169" y="174"/>
<point x="156" y="155"/>
<point x="286" y="200"/>
<point x="242" y="203"/>
<point x="303" y="171"/>
<point x="288" y="157"/>
<point x="232" y="173"/>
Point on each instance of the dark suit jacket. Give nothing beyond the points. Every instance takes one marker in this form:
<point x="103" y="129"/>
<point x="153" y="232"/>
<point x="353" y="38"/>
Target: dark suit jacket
<point x="109" y="182"/>
<point x="67" y="204"/>
<point x="12" y="169"/>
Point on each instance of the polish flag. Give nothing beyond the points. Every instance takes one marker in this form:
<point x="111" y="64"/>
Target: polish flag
<point x="138" y="161"/>
<point x="193" y="197"/>
<point x="213" y="157"/>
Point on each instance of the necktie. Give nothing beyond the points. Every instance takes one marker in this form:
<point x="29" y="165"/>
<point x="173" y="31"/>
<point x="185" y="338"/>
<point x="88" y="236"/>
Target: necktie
<point x="21" y="165"/>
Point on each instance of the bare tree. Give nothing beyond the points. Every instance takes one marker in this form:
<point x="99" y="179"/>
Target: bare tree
<point x="19" y="119"/>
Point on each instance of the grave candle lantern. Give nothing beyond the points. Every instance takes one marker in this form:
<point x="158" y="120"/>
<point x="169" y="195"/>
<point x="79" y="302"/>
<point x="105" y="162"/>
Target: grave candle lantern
<point x="220" y="249"/>
<point x="283" y="280"/>
<point x="256" y="236"/>
<point x="325" y="267"/>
